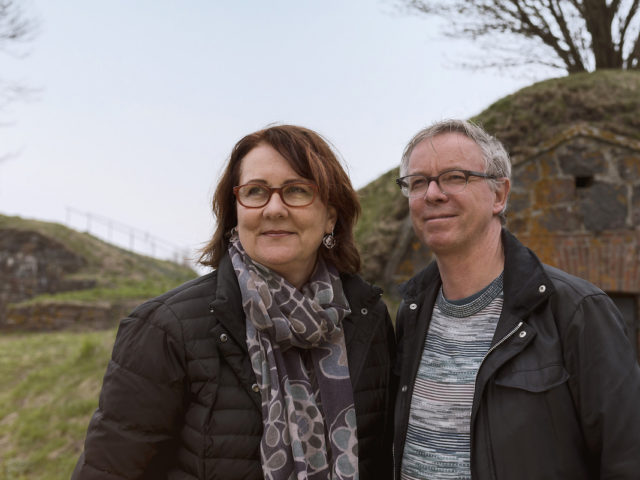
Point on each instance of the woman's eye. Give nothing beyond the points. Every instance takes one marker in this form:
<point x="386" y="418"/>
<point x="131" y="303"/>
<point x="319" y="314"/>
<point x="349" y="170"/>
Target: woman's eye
<point x="298" y="189"/>
<point x="254" y="191"/>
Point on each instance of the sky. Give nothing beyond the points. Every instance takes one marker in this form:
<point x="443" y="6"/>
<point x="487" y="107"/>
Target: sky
<point x="136" y="105"/>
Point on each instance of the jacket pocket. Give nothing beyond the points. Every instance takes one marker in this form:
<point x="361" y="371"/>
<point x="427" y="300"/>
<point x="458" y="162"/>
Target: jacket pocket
<point x="535" y="381"/>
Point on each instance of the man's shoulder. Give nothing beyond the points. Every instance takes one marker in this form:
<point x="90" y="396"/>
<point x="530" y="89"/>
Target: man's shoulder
<point x="565" y="282"/>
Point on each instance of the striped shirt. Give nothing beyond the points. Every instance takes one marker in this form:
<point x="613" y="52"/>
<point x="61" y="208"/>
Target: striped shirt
<point x="437" y="445"/>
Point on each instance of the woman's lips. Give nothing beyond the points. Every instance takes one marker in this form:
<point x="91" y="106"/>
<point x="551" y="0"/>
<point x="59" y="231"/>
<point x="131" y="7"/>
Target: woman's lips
<point x="276" y="233"/>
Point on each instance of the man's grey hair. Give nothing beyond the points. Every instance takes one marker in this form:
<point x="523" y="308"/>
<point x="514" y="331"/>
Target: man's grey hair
<point x="496" y="158"/>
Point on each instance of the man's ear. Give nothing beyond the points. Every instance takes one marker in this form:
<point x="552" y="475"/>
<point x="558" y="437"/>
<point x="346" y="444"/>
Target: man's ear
<point x="501" y="194"/>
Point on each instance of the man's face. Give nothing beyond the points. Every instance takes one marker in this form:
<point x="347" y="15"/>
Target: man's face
<point x="454" y="223"/>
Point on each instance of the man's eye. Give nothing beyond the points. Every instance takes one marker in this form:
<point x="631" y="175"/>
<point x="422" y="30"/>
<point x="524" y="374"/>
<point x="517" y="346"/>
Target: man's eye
<point x="417" y="183"/>
<point x="454" y="177"/>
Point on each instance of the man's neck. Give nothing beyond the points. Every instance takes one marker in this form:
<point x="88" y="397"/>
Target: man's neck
<point x="464" y="274"/>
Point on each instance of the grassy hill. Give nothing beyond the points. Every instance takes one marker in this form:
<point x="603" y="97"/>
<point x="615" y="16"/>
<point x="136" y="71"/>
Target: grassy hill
<point x="608" y="99"/>
<point x="117" y="277"/>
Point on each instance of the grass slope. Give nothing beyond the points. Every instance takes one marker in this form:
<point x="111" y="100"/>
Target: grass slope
<point x="49" y="384"/>
<point x="608" y="99"/>
<point x="119" y="274"/>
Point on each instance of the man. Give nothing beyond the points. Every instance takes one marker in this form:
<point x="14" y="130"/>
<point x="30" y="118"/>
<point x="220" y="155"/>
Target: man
<point x="509" y="369"/>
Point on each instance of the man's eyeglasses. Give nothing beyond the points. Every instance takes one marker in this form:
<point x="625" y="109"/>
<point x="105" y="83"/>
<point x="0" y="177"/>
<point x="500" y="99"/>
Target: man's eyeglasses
<point x="257" y="195"/>
<point x="449" y="182"/>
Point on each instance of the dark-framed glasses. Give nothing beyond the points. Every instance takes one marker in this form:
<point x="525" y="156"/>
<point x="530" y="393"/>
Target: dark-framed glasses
<point x="256" y="195"/>
<point x="449" y="182"/>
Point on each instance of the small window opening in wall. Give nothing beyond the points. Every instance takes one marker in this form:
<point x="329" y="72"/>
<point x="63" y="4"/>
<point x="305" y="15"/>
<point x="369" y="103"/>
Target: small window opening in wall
<point x="584" y="182"/>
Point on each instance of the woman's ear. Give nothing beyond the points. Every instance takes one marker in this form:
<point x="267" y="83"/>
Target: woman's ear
<point x="332" y="219"/>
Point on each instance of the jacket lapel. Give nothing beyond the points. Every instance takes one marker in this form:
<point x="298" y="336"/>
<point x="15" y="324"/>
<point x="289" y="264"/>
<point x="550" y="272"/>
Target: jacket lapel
<point x="227" y="308"/>
<point x="420" y="296"/>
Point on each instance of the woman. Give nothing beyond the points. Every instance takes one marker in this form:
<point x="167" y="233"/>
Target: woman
<point x="276" y="365"/>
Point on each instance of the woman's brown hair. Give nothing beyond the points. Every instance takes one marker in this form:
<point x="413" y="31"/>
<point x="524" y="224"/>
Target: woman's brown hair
<point x="311" y="157"/>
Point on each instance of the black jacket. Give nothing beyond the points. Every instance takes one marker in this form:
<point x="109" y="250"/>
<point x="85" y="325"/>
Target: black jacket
<point x="179" y="399"/>
<point x="558" y="394"/>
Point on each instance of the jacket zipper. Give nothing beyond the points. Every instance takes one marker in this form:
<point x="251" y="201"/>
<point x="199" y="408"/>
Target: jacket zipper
<point x="393" y="459"/>
<point x="502" y="340"/>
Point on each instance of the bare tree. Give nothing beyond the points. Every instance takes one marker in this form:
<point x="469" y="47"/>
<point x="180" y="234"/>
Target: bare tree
<point x="572" y="35"/>
<point x="17" y="29"/>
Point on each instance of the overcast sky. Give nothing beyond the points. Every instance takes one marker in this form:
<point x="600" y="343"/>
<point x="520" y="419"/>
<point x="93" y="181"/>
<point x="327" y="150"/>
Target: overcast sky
<point x="140" y="102"/>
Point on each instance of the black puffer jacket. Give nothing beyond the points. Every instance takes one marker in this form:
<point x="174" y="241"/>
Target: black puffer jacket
<point x="179" y="399"/>
<point x="557" y="396"/>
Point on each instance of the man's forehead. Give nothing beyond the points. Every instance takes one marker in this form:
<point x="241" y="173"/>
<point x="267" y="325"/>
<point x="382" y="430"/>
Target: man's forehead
<point x="448" y="146"/>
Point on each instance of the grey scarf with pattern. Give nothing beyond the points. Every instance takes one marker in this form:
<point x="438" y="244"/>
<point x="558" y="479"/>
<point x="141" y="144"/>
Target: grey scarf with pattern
<point x="298" y="354"/>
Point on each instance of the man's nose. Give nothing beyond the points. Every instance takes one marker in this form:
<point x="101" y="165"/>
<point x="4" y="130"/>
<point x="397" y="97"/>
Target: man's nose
<point x="433" y="190"/>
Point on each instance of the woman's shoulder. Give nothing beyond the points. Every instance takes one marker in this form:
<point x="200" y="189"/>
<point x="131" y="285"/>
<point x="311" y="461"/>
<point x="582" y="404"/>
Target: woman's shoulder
<point x="195" y="294"/>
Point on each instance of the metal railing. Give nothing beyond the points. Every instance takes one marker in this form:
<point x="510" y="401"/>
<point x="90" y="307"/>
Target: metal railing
<point x="127" y="237"/>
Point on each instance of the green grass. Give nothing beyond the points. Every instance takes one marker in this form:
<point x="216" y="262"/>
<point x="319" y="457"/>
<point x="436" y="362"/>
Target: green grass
<point x="126" y="289"/>
<point x="49" y="384"/>
<point x="608" y="99"/>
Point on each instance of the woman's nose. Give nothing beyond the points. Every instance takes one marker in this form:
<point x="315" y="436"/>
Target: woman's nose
<point x="275" y="206"/>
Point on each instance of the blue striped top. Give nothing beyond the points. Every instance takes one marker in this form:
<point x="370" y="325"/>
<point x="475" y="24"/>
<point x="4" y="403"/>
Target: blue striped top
<point x="437" y="445"/>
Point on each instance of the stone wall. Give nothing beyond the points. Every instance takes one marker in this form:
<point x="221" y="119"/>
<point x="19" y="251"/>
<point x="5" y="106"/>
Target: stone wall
<point x="64" y="316"/>
<point x="33" y="264"/>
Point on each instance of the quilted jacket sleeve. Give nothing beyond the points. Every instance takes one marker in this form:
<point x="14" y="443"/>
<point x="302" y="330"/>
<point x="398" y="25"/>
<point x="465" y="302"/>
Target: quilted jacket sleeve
<point x="141" y="402"/>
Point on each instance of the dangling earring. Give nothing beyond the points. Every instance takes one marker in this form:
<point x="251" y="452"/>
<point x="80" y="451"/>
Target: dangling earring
<point x="329" y="241"/>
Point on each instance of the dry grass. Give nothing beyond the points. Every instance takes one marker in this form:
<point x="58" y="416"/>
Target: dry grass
<point x="49" y="384"/>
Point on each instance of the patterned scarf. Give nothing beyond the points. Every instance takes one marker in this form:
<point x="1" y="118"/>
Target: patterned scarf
<point x="298" y="354"/>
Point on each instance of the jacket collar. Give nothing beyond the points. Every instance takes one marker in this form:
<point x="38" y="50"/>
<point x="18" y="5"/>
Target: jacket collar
<point x="228" y="303"/>
<point x="362" y="297"/>
<point x="526" y="285"/>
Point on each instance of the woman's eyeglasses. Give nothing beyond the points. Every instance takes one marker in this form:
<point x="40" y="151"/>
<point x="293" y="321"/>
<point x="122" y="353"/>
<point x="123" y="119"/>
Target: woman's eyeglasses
<point x="257" y="195"/>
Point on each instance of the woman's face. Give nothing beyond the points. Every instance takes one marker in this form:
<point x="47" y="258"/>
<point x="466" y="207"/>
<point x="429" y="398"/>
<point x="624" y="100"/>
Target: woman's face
<point x="285" y="239"/>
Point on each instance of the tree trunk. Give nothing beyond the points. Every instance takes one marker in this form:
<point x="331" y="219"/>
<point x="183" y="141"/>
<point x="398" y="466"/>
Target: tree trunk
<point x="598" y="18"/>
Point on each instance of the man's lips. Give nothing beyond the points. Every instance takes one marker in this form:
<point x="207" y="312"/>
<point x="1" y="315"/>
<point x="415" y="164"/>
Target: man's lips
<point x="438" y="217"/>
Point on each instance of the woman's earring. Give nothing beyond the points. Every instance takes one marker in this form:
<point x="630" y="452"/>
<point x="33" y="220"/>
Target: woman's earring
<point x="329" y="241"/>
